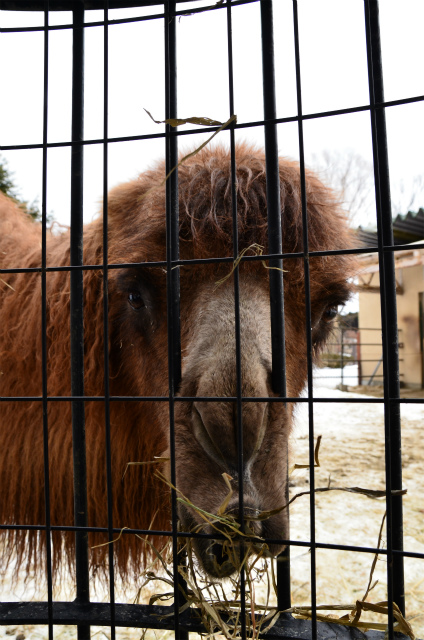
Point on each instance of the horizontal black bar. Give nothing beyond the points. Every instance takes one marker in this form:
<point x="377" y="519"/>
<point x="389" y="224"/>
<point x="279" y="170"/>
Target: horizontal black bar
<point x="347" y="361"/>
<point x="157" y="617"/>
<point x="187" y="263"/>
<point x="208" y="536"/>
<point x="202" y="399"/>
<point x="244" y="125"/>
<point x="404" y="247"/>
<point x="66" y="5"/>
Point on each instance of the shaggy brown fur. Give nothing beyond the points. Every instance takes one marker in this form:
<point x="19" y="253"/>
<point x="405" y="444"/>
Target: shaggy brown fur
<point x="138" y="343"/>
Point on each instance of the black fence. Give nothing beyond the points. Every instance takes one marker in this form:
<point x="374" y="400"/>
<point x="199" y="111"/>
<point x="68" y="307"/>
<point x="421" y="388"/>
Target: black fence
<point x="346" y="348"/>
<point x="82" y="611"/>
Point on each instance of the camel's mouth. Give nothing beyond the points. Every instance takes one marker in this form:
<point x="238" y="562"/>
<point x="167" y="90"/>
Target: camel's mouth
<point x="223" y="557"/>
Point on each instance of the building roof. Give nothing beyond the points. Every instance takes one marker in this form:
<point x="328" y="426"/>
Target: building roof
<point x="407" y="228"/>
<point x="411" y="257"/>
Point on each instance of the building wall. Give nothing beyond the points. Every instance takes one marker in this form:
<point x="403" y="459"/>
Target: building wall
<point x="370" y="331"/>
<point x="411" y="279"/>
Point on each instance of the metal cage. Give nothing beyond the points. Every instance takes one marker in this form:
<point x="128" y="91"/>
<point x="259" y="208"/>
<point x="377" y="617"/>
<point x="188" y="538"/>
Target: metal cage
<point x="82" y="612"/>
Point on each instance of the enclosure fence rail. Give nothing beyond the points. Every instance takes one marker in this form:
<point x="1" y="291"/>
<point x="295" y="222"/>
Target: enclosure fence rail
<point x="178" y="617"/>
<point x="105" y="291"/>
<point x="275" y="244"/>
<point x="393" y="438"/>
<point x="173" y="285"/>
<point x="77" y="316"/>
<point x="48" y="532"/>
<point x="308" y="322"/>
<point x="240" y="463"/>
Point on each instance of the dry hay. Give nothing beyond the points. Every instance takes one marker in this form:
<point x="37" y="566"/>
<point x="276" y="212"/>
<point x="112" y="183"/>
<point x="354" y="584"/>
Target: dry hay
<point x="220" y="603"/>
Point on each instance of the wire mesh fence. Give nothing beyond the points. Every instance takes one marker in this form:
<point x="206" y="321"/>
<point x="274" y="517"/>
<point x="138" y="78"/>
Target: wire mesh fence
<point x="178" y="331"/>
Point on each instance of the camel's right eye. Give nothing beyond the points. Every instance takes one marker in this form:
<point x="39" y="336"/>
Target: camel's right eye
<point x="330" y="314"/>
<point x="136" y="300"/>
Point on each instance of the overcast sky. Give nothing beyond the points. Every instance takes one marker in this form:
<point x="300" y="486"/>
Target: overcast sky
<point x="333" y="73"/>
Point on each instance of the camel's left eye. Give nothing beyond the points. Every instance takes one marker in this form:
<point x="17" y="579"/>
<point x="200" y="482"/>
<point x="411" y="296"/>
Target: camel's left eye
<point x="330" y="313"/>
<point x="136" y="300"/>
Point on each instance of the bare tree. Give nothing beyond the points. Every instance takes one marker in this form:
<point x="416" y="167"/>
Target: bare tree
<point x="352" y="178"/>
<point x="409" y="195"/>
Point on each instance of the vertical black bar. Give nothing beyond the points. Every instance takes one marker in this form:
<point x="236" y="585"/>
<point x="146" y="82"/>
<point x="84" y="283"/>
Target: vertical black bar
<point x="77" y="324"/>
<point x="172" y="185"/>
<point x="173" y="285"/>
<point x="106" y="321"/>
<point x="236" y="281"/>
<point x="308" y="321"/>
<point x="393" y="440"/>
<point x="275" y="246"/>
<point x="44" y="327"/>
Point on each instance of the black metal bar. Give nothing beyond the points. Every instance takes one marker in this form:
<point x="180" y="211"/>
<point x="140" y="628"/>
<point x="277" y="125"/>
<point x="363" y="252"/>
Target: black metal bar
<point x="69" y="5"/>
<point x="106" y="323"/>
<point x="237" y="333"/>
<point x="48" y="536"/>
<point x="77" y="317"/>
<point x="202" y="398"/>
<point x="162" y="263"/>
<point x="189" y="132"/>
<point x="156" y="617"/>
<point x="173" y="287"/>
<point x="308" y="321"/>
<point x="275" y="245"/>
<point x="393" y="440"/>
<point x="190" y="534"/>
<point x="172" y="185"/>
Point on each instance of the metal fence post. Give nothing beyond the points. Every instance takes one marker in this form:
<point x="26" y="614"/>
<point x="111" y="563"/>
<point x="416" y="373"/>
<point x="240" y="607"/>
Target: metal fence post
<point x="173" y="284"/>
<point x="275" y="246"/>
<point x="358" y="356"/>
<point x="395" y="577"/>
<point x="77" y="319"/>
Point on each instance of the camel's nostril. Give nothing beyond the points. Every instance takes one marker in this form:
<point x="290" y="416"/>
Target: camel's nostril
<point x="215" y="428"/>
<point x="204" y="437"/>
<point x="223" y="559"/>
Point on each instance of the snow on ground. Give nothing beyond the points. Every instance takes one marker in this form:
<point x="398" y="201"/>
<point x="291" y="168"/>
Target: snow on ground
<point x="351" y="455"/>
<point x="331" y="378"/>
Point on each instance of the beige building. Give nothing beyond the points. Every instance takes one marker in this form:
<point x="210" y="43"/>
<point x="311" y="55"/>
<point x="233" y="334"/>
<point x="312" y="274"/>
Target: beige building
<point x="409" y="264"/>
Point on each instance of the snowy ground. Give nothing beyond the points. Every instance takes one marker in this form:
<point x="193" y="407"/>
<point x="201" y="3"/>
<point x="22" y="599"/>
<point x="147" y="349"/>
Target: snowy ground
<point x="351" y="454"/>
<point x="331" y="378"/>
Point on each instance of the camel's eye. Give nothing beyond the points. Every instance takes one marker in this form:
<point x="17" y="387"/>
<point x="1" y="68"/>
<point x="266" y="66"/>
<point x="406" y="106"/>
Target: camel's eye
<point x="136" y="300"/>
<point x="330" y="313"/>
